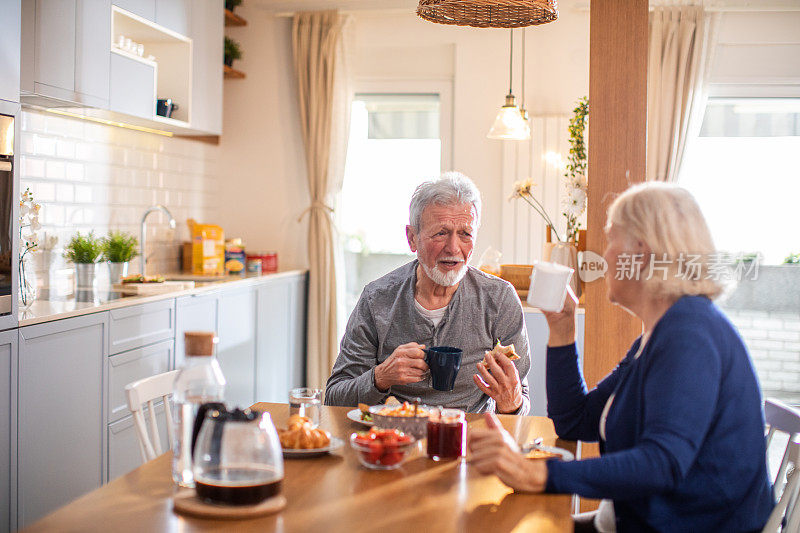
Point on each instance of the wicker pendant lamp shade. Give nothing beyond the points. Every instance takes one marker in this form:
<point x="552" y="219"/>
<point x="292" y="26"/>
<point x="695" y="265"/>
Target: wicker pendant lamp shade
<point x="489" y="13"/>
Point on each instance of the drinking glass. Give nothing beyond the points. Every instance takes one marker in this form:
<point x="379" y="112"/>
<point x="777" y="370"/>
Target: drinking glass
<point x="306" y="402"/>
<point x="447" y="434"/>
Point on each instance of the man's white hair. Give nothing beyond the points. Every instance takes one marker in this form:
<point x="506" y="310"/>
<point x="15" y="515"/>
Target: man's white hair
<point x="451" y="188"/>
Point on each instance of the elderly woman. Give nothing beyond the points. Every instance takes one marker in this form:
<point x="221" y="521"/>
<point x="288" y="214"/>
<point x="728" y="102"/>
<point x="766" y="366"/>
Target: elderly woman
<point x="679" y="420"/>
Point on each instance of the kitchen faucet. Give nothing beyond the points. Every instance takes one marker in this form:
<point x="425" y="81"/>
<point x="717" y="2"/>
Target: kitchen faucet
<point x="143" y="240"/>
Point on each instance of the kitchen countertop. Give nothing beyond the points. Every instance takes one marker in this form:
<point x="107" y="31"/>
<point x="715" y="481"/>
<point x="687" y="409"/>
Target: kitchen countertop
<point x="84" y="302"/>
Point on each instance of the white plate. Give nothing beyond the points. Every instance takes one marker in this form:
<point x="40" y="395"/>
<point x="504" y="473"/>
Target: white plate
<point x="335" y="444"/>
<point x="565" y="454"/>
<point x="355" y="416"/>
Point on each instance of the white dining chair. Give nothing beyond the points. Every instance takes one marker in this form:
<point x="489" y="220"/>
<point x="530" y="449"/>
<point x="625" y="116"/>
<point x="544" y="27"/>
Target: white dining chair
<point x="785" y="516"/>
<point x="143" y="394"/>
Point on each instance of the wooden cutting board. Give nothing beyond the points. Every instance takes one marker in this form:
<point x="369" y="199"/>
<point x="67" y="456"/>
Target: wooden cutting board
<point x="143" y="289"/>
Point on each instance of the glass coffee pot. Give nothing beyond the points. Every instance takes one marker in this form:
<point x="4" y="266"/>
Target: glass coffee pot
<point x="237" y="458"/>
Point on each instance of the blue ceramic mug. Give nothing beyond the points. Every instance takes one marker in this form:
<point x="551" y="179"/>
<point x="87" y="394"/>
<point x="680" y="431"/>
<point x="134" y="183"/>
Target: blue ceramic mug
<point x="444" y="362"/>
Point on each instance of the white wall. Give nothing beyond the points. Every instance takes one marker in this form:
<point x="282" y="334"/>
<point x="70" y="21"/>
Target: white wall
<point x="263" y="187"/>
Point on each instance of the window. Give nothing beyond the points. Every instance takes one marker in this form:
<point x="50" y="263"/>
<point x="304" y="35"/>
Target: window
<point x="395" y="144"/>
<point x="744" y="170"/>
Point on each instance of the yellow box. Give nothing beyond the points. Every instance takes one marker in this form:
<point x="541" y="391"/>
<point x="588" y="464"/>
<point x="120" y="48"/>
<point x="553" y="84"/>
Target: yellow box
<point x="208" y="249"/>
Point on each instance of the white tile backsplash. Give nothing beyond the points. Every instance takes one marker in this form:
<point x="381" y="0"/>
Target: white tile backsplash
<point x="92" y="177"/>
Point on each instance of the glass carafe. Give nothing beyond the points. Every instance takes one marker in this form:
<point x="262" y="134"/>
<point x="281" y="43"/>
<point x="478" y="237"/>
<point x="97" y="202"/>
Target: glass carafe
<point x="238" y="458"/>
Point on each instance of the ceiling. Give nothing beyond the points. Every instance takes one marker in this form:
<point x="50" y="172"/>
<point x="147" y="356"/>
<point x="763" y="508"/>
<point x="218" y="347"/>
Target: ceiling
<point x="279" y="6"/>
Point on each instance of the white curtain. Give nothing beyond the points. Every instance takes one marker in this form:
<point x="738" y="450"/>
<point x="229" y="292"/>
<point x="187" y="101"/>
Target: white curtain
<point x="679" y="55"/>
<point x="322" y="93"/>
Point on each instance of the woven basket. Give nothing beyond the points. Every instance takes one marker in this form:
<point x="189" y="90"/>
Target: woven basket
<point x="489" y="13"/>
<point x="518" y="275"/>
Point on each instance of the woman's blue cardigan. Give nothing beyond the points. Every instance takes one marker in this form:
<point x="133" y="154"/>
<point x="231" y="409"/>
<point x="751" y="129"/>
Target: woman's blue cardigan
<point x="684" y="448"/>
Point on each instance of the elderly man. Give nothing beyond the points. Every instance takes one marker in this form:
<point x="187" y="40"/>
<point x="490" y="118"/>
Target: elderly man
<point x="436" y="300"/>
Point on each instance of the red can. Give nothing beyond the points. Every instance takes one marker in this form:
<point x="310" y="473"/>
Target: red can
<point x="269" y="261"/>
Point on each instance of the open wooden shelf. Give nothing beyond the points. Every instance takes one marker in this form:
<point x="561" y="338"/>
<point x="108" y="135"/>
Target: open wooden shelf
<point x="234" y="20"/>
<point x="233" y="73"/>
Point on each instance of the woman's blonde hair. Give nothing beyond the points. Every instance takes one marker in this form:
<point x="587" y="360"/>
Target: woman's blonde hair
<point x="667" y="219"/>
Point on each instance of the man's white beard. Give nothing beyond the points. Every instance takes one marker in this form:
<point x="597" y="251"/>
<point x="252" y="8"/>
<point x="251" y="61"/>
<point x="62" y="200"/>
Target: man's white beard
<point x="445" y="279"/>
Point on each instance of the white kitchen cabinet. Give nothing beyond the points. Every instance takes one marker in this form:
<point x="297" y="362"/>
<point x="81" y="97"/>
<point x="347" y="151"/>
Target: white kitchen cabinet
<point x="61" y="424"/>
<point x="10" y="50"/>
<point x="280" y="351"/>
<point x="131" y="366"/>
<point x="54" y="38"/>
<point x="92" y="52"/>
<point x="8" y="433"/>
<point x="143" y="8"/>
<point x="207" y="32"/>
<point x="140" y="325"/>
<point x="196" y="312"/>
<point x="538" y="333"/>
<point x="176" y="14"/>
<point x="65" y="51"/>
<point x="123" y="443"/>
<point x="237" y="344"/>
<point x="132" y="86"/>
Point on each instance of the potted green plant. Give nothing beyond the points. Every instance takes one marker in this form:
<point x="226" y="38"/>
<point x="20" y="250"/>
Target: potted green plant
<point x="119" y="248"/>
<point x="233" y="51"/>
<point x="84" y="251"/>
<point x="230" y="5"/>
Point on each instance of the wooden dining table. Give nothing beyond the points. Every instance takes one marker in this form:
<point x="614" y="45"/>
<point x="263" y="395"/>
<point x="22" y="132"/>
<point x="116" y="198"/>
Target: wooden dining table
<point x="334" y="492"/>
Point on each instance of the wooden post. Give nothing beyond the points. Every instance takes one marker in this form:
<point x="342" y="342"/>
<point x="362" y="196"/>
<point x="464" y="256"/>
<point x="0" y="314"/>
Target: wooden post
<point x="617" y="151"/>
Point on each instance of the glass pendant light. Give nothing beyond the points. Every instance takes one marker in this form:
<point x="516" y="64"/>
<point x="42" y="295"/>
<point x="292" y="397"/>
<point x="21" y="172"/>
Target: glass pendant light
<point x="510" y="123"/>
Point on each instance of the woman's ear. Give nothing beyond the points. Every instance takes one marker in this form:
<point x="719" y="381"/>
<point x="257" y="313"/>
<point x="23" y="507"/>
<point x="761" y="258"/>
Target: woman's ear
<point x="643" y="249"/>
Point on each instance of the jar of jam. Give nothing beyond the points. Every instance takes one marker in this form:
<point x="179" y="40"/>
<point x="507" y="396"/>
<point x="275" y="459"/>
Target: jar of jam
<point x="447" y="434"/>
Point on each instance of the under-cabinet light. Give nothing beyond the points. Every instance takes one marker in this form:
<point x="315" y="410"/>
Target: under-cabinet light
<point x="107" y="122"/>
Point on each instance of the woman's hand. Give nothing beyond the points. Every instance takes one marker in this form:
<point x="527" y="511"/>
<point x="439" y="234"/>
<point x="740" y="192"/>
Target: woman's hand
<point x="562" y="324"/>
<point x="493" y="451"/>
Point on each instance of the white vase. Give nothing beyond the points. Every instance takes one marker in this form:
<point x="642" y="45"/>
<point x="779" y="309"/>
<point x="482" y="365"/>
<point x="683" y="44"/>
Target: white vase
<point x="566" y="254"/>
<point x="117" y="271"/>
<point x="85" y="275"/>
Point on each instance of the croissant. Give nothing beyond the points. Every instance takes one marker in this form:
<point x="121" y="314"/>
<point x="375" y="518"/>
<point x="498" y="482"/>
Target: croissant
<point x="300" y="435"/>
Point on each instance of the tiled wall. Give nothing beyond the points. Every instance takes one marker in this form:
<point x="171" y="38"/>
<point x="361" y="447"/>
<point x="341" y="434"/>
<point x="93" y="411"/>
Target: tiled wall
<point x="773" y="339"/>
<point x="93" y="177"/>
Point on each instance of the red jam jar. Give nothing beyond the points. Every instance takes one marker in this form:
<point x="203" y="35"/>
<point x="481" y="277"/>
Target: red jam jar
<point x="447" y="434"/>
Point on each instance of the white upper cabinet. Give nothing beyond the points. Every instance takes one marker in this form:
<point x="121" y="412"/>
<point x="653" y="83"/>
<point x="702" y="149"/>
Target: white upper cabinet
<point x="92" y="28"/>
<point x="65" y="52"/>
<point x="54" y="45"/>
<point x="208" y="36"/>
<point x="9" y="50"/>
<point x="144" y="8"/>
<point x="177" y="14"/>
<point x="114" y="59"/>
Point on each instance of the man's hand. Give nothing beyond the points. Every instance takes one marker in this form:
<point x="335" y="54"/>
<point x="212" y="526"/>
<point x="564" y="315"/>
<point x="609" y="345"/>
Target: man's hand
<point x="500" y="380"/>
<point x="405" y="365"/>
<point x="493" y="451"/>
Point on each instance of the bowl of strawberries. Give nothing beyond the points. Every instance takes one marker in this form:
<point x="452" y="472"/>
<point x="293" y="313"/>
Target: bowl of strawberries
<point x="382" y="449"/>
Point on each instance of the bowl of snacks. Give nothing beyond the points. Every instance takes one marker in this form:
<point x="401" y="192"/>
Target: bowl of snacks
<point x="407" y="417"/>
<point x="382" y="449"/>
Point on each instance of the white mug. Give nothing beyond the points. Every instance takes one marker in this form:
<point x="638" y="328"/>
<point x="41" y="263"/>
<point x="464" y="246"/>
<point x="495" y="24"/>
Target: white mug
<point x="548" y="289"/>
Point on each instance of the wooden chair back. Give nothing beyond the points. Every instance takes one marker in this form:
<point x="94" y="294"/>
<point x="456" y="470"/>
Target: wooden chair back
<point x="142" y="395"/>
<point x="786" y="486"/>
